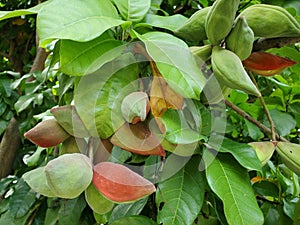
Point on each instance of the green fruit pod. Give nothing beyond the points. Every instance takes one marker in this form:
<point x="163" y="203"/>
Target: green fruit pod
<point x="97" y="201"/>
<point x="201" y="53"/>
<point x="270" y="21"/>
<point x="290" y="155"/>
<point x="229" y="71"/>
<point x="241" y="38"/>
<point x="36" y="179"/>
<point x="69" y="175"/>
<point x="194" y="28"/>
<point x="220" y="19"/>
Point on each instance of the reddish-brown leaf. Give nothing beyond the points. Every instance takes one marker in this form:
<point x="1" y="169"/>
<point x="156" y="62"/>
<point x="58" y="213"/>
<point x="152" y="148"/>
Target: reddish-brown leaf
<point x="267" y="64"/>
<point x="138" y="139"/>
<point x="120" y="184"/>
<point x="47" y="133"/>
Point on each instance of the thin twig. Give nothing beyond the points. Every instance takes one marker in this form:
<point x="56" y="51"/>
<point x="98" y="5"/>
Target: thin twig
<point x="91" y="149"/>
<point x="245" y="115"/>
<point x="261" y="98"/>
<point x="267" y="43"/>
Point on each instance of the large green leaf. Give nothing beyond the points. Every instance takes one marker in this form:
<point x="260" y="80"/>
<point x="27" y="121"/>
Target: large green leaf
<point x="283" y="122"/>
<point x="81" y="58"/>
<point x="98" y="96"/>
<point x="133" y="10"/>
<point x="177" y="129"/>
<point x="21" y="200"/>
<point x="231" y="183"/>
<point x="167" y="22"/>
<point x="180" y="197"/>
<point x="127" y="209"/>
<point x="71" y="210"/>
<point x="80" y="20"/>
<point x="243" y="153"/>
<point x="134" y="220"/>
<point x="175" y="62"/>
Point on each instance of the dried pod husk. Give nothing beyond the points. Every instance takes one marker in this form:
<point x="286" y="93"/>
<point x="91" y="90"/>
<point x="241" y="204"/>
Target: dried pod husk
<point x="36" y="179"/>
<point x="47" y="133"/>
<point x="220" y="19"/>
<point x="266" y="64"/>
<point x="135" y="107"/>
<point x="201" y="53"/>
<point x="290" y="155"/>
<point x="229" y="71"/>
<point x="73" y="145"/>
<point x="69" y="119"/>
<point x="241" y="38"/>
<point x="214" y="91"/>
<point x="194" y="28"/>
<point x="264" y="150"/>
<point x="120" y="184"/>
<point x="97" y="201"/>
<point x="271" y="21"/>
<point x="69" y="175"/>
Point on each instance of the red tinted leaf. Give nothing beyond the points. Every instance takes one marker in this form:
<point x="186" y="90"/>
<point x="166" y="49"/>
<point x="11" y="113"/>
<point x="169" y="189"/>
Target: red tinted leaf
<point x="267" y="64"/>
<point x="47" y="133"/>
<point x="120" y="184"/>
<point x="138" y="139"/>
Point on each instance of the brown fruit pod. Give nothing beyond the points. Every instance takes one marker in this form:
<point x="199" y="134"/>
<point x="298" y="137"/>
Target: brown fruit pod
<point x="120" y="184"/>
<point x="138" y="139"/>
<point x="266" y="64"/>
<point x="47" y="133"/>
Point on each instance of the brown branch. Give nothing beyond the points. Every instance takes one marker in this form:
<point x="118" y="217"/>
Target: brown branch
<point x="267" y="112"/>
<point x="4" y="54"/>
<point x="9" y="146"/>
<point x="245" y="115"/>
<point x="267" y="43"/>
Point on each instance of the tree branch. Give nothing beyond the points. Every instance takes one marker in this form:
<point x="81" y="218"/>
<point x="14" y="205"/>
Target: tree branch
<point x="267" y="43"/>
<point x="261" y="98"/>
<point x="245" y="115"/>
<point x="9" y="146"/>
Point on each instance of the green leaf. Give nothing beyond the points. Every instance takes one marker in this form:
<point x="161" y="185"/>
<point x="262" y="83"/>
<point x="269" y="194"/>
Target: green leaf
<point x="34" y="158"/>
<point x="91" y="18"/>
<point x="5" y="87"/>
<point x="283" y="122"/>
<point x="98" y="96"/>
<point x="175" y="62"/>
<point x="81" y="58"/>
<point x="133" y="10"/>
<point x="23" y="102"/>
<point x="243" y="153"/>
<point x="231" y="183"/>
<point x="21" y="200"/>
<point x="166" y="22"/>
<point x="71" y="210"/>
<point x="177" y="128"/>
<point x="20" y="12"/>
<point x="180" y="197"/>
<point x="134" y="220"/>
<point x="128" y="209"/>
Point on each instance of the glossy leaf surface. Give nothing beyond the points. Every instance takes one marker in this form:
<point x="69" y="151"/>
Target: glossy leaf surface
<point x="134" y="220"/>
<point x="99" y="96"/>
<point x="92" y="18"/>
<point x="175" y="62"/>
<point x="181" y="196"/>
<point x="232" y="184"/>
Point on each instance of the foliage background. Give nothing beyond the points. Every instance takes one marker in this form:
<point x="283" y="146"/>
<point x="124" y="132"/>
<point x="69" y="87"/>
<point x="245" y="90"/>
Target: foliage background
<point x="26" y="95"/>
